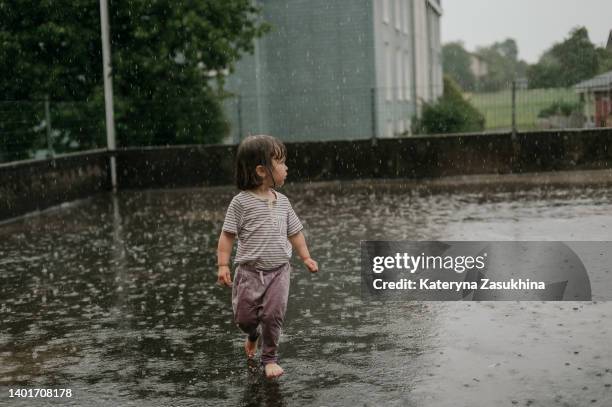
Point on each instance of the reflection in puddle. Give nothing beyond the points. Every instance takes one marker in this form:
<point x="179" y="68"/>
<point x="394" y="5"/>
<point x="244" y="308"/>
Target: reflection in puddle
<point x="116" y="299"/>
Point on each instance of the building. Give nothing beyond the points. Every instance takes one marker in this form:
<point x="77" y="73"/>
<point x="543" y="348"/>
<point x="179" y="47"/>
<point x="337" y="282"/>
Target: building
<point x="596" y="93"/>
<point x="609" y="44"/>
<point x="478" y="66"/>
<point x="342" y="69"/>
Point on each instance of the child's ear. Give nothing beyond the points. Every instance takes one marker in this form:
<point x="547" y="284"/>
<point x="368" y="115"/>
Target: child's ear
<point x="261" y="171"/>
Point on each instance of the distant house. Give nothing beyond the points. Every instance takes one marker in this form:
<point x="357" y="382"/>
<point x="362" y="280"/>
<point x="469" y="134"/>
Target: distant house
<point x="342" y="69"/>
<point x="478" y="66"/>
<point x="596" y="93"/>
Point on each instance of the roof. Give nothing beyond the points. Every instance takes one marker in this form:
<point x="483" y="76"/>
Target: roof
<point x="600" y="82"/>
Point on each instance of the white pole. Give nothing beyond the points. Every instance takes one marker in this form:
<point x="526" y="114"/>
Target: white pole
<point x="108" y="90"/>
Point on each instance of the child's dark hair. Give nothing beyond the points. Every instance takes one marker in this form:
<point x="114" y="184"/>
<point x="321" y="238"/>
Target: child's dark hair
<point x="254" y="151"/>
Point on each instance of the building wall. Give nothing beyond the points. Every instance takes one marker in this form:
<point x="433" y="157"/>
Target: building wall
<point x="394" y="41"/>
<point x="247" y="112"/>
<point x="410" y="157"/>
<point x="603" y="109"/>
<point x="311" y="76"/>
<point x="478" y="67"/>
<point x="33" y="185"/>
<point x="342" y="69"/>
<point x="589" y="108"/>
<point x="434" y="43"/>
<point x="38" y="184"/>
<point x="428" y="49"/>
<point x="420" y="52"/>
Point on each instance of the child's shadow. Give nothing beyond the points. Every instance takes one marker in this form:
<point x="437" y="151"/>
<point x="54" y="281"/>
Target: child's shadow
<point x="260" y="391"/>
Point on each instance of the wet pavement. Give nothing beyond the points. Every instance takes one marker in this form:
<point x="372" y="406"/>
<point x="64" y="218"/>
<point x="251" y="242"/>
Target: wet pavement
<point x="115" y="298"/>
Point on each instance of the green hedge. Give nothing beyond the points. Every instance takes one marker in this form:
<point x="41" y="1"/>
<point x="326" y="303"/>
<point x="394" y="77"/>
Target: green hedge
<point x="450" y="114"/>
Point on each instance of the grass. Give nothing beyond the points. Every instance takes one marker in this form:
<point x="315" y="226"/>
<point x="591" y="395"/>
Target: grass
<point x="497" y="106"/>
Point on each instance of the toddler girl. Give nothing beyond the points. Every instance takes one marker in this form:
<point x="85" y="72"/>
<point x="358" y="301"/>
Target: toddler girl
<point x="267" y="228"/>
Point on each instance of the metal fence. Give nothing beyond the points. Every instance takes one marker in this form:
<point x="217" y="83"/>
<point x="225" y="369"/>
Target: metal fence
<point x="524" y="109"/>
<point x="43" y="128"/>
<point x="317" y="114"/>
<point x="392" y="112"/>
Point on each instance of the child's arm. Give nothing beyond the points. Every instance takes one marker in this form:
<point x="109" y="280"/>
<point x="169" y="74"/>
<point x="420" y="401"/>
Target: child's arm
<point x="299" y="245"/>
<point x="224" y="251"/>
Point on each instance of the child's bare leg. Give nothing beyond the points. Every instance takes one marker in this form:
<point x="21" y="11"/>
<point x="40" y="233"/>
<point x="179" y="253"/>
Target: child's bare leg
<point x="250" y="346"/>
<point x="273" y="370"/>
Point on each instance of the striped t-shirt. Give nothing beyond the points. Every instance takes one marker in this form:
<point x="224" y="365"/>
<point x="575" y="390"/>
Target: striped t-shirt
<point x="262" y="227"/>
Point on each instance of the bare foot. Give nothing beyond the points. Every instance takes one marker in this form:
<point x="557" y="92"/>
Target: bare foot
<point x="273" y="370"/>
<point x="250" y="348"/>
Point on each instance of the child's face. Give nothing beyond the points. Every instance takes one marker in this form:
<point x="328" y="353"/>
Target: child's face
<point x="279" y="171"/>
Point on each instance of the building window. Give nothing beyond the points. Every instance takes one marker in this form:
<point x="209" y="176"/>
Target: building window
<point x="388" y="72"/>
<point x="398" y="14"/>
<point x="398" y="74"/>
<point x="405" y="16"/>
<point x="389" y="130"/>
<point x="406" y="81"/>
<point x="400" y="127"/>
<point x="385" y="11"/>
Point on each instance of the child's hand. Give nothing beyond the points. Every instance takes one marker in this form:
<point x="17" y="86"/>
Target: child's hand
<point x="223" y="276"/>
<point x="311" y="265"/>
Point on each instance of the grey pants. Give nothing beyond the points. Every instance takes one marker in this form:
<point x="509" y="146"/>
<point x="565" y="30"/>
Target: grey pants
<point x="260" y="297"/>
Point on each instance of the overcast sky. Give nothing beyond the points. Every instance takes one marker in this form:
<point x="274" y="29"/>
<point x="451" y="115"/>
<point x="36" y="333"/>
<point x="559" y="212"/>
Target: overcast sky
<point x="534" y="24"/>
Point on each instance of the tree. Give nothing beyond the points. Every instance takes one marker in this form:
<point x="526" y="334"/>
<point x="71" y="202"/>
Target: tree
<point x="167" y="58"/>
<point x="508" y="49"/>
<point x="450" y="114"/>
<point x="605" y="59"/>
<point x="502" y="63"/>
<point x="456" y="62"/>
<point x="566" y="63"/>
<point x="546" y="73"/>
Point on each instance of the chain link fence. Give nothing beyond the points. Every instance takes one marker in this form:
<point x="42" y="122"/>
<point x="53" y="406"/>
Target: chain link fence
<point x="393" y="112"/>
<point x="530" y="109"/>
<point x="38" y="129"/>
